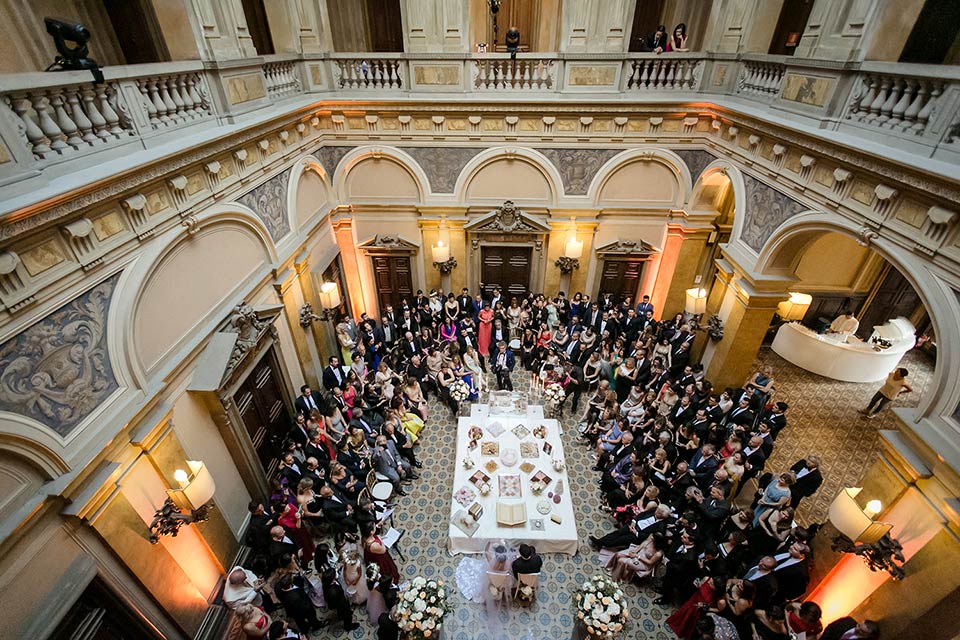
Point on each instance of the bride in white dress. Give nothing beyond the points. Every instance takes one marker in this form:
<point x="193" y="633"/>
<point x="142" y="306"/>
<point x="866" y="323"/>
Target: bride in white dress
<point x="471" y="575"/>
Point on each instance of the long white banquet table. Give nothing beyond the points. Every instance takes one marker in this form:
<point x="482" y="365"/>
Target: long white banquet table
<point x="552" y="537"/>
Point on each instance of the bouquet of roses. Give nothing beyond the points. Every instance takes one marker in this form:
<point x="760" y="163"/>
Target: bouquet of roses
<point x="601" y="607"/>
<point x="553" y="392"/>
<point x="459" y="391"/>
<point x="421" y="607"/>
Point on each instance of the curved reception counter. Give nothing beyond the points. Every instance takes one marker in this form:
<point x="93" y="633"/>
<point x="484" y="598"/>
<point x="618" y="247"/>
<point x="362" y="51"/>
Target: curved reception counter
<point x="828" y="356"/>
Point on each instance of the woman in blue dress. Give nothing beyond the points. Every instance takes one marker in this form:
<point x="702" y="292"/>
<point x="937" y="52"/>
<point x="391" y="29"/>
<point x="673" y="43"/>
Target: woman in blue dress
<point x="775" y="496"/>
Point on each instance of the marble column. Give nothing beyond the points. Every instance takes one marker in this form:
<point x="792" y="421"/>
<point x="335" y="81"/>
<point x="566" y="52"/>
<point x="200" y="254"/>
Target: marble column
<point x="224" y="28"/>
<point x="687" y="268"/>
<point x="298" y="26"/>
<point x="343" y="229"/>
<point x="746" y="314"/>
<point x="667" y="266"/>
<point x="743" y="26"/>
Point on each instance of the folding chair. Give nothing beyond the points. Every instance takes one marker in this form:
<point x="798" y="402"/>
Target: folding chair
<point x="527" y="580"/>
<point x="499" y="582"/>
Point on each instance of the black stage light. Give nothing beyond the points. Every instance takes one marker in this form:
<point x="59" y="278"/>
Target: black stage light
<point x="71" y="58"/>
<point x="512" y="41"/>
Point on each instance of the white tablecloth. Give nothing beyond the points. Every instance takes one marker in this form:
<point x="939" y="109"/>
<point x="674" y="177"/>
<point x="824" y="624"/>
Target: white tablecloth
<point x="555" y="538"/>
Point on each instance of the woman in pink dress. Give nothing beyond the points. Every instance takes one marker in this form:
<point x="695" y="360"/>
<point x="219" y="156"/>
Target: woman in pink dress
<point x="483" y="333"/>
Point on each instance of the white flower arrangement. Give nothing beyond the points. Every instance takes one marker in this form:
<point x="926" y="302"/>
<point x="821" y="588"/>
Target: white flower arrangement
<point x="553" y="392"/>
<point x="558" y="464"/>
<point x="468" y="463"/>
<point x="485" y="489"/>
<point x="525" y="593"/>
<point x="421" y="607"/>
<point x="601" y="607"/>
<point x="537" y="487"/>
<point x="459" y="391"/>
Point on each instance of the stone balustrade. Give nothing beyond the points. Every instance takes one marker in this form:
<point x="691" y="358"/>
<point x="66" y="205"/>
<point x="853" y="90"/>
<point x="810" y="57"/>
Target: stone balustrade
<point x="47" y="119"/>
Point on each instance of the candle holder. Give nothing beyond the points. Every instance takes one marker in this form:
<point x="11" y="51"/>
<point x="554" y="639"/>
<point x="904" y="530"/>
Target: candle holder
<point x="566" y="264"/>
<point x="446" y="266"/>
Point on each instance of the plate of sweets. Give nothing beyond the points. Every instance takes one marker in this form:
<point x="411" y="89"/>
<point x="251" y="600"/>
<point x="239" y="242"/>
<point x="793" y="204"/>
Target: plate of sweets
<point x="491" y="466"/>
<point x="540" y="476"/>
<point x="465" y="495"/>
<point x="540" y="432"/>
<point x="475" y="432"/>
<point x="529" y="450"/>
<point x="527" y="467"/>
<point x="495" y="429"/>
<point x="490" y="448"/>
<point x="520" y="431"/>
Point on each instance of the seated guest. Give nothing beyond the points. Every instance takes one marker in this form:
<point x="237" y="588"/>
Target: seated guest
<point x="387" y="462"/>
<point x="636" y="561"/>
<point x="645" y="524"/>
<point x="337" y="510"/>
<point x="528" y="561"/>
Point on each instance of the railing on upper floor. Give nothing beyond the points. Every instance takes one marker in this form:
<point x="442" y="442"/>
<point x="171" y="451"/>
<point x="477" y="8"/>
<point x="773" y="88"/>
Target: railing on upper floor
<point x="51" y="118"/>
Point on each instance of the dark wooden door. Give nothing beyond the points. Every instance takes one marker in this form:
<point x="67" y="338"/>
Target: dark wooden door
<point x="386" y="29"/>
<point x="895" y="297"/>
<point x="394" y="282"/>
<point x="99" y="614"/>
<point x="507" y="268"/>
<point x="646" y="19"/>
<point x="792" y="22"/>
<point x="621" y="278"/>
<point x="260" y="402"/>
<point x="256" y="16"/>
<point x="138" y="31"/>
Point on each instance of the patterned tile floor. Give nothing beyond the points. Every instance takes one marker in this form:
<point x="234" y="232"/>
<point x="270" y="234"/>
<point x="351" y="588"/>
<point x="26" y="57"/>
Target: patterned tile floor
<point x="822" y="418"/>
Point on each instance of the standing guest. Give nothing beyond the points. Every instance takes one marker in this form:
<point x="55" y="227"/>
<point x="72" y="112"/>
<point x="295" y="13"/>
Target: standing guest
<point x="775" y="496"/>
<point x="336" y="600"/>
<point x="808" y="481"/>
<point x="376" y="552"/>
<point x="333" y="374"/>
<point x="485" y="330"/>
<point x="528" y="561"/>
<point x="850" y="629"/>
<point x="242" y="587"/>
<point x="309" y="401"/>
<point x="645" y="306"/>
<point x="503" y="362"/>
<point x="895" y="385"/>
<point x="296" y="604"/>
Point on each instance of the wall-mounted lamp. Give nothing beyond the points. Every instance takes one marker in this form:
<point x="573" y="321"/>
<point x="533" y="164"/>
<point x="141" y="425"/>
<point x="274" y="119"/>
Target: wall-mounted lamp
<point x="572" y="251"/>
<point x="862" y="536"/>
<point x="442" y="260"/>
<point x="195" y="492"/>
<point x="695" y="306"/>
<point x="795" y="307"/>
<point x="329" y="295"/>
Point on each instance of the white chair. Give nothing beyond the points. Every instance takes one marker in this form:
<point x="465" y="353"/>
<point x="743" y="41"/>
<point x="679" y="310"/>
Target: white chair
<point x="499" y="586"/>
<point x="531" y="580"/>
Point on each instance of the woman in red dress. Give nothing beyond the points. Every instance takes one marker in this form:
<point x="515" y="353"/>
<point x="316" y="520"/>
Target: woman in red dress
<point x="483" y="332"/>
<point x="253" y="621"/>
<point x="375" y="551"/>
<point x="684" y="620"/>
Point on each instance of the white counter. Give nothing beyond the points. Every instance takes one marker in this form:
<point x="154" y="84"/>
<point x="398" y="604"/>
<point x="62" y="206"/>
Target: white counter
<point x="827" y="355"/>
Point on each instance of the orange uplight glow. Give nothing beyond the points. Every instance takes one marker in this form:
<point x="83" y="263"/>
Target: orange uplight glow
<point x="851" y="581"/>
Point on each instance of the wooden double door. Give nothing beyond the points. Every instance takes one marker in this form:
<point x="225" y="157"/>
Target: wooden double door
<point x="621" y="278"/>
<point x="507" y="267"/>
<point x="394" y="280"/>
<point x="259" y="399"/>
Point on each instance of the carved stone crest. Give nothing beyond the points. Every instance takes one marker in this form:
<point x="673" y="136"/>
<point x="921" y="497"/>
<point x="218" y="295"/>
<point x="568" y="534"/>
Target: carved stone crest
<point x="248" y="325"/>
<point x="507" y="218"/>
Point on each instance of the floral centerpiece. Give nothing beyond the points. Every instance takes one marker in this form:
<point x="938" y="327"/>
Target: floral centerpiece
<point x="421" y="608"/>
<point x="459" y="391"/>
<point x="554" y="393"/>
<point x="537" y="487"/>
<point x="601" y="607"/>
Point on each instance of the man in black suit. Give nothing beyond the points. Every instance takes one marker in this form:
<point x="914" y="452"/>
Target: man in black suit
<point x="408" y="322"/>
<point x="838" y="630"/>
<point x="465" y="303"/>
<point x="776" y="418"/>
<point x="714" y="410"/>
<point x="682" y="413"/>
<point x="258" y="531"/>
<point x="387" y="333"/>
<point x="808" y="481"/>
<point x="679" y="359"/>
<point x="364" y="424"/>
<point x="290" y="470"/>
<point x="646" y="523"/>
<point x="528" y="561"/>
<point x="714" y="510"/>
<point x="309" y="400"/>
<point x="741" y="414"/>
<point x="703" y="465"/>
<point x="682" y="569"/>
<point x="792" y="572"/>
<point x="336" y="601"/>
<point x="643" y="367"/>
<point x="762" y="577"/>
<point x="333" y="374"/>
<point x="630" y="326"/>
<point x="337" y="510"/>
<point x="299" y="433"/>
<point x="503" y="362"/>
<point x="280" y="544"/>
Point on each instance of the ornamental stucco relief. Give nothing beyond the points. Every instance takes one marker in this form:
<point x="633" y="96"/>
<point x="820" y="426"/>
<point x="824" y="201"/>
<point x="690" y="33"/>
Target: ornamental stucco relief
<point x="577" y="167"/>
<point x="269" y="202"/>
<point x="58" y="371"/>
<point x="767" y="209"/>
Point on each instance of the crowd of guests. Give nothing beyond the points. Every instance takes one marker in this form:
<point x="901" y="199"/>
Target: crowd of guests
<point x="672" y="454"/>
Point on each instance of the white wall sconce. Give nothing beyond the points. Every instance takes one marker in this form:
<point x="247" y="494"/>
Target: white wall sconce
<point x="196" y="490"/>
<point x="862" y="536"/>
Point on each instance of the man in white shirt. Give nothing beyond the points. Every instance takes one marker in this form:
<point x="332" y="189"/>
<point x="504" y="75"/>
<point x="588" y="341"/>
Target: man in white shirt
<point x="242" y="588"/>
<point x="845" y="324"/>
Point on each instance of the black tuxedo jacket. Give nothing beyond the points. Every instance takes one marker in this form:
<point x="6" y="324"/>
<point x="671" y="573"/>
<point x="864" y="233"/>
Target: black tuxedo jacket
<point x="334" y="510"/>
<point x="808" y="484"/>
<point x="330" y="378"/>
<point x="837" y="628"/>
<point x="742" y="417"/>
<point x="300" y="404"/>
<point x="531" y="565"/>
<point x="679" y="415"/>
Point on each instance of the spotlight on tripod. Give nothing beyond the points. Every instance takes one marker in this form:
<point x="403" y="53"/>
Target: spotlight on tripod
<point x="71" y="58"/>
<point x="494" y="10"/>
